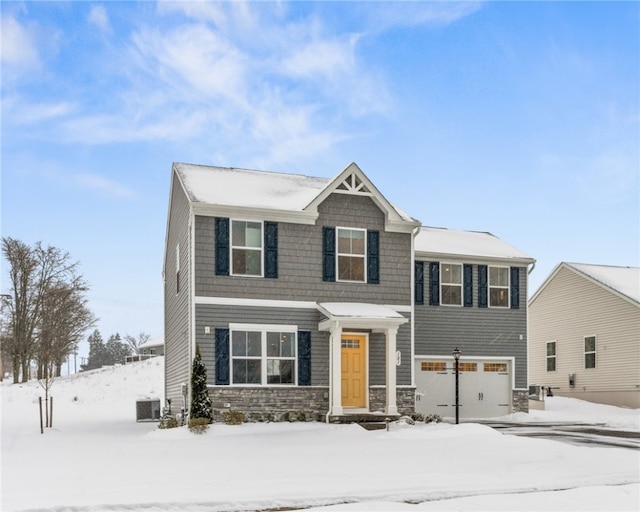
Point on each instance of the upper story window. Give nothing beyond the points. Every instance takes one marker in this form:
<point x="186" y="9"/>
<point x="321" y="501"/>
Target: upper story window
<point x="351" y="258"/>
<point x="263" y="355"/>
<point x="246" y="248"/>
<point x="590" y="352"/>
<point x="451" y="284"/>
<point x="551" y="356"/>
<point x="499" y="287"/>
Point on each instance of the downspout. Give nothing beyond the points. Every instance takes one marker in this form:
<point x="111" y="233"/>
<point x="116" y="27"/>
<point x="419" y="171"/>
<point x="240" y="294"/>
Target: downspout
<point x="414" y="234"/>
<point x="192" y="306"/>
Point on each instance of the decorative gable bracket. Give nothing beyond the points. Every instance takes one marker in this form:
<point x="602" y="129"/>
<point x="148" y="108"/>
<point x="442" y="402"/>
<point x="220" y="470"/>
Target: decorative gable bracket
<point x="353" y="185"/>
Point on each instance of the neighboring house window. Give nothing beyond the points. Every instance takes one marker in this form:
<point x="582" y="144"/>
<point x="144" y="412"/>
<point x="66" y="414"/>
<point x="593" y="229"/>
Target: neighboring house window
<point x="590" y="352"/>
<point x="263" y="355"/>
<point x="177" y="268"/>
<point x="499" y="287"/>
<point x="246" y="248"/>
<point x="351" y="254"/>
<point x="451" y="284"/>
<point x="551" y="356"/>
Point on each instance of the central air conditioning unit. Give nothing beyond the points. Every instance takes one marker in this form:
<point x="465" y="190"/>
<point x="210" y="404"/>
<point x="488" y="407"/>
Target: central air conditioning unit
<point x="148" y="410"/>
<point x="536" y="392"/>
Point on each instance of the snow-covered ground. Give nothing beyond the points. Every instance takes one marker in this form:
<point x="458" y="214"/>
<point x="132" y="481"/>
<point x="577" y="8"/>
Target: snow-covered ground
<point x="97" y="458"/>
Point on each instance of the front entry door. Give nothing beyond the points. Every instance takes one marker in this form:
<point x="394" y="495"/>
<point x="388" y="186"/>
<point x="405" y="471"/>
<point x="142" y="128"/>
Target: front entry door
<point x="354" y="370"/>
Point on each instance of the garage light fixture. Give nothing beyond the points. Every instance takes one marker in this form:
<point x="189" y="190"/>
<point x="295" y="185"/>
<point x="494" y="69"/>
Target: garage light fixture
<point x="456" y="357"/>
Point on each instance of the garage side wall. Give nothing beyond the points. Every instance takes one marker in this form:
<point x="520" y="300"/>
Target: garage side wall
<point x="480" y="332"/>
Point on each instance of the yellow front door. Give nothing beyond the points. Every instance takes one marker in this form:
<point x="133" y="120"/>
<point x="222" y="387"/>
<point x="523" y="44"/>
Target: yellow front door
<point x="354" y="370"/>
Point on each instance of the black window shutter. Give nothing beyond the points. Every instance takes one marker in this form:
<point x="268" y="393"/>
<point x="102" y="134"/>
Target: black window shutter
<point x="434" y="283"/>
<point x="271" y="249"/>
<point x="222" y="246"/>
<point x="304" y="358"/>
<point x="515" y="288"/>
<point x="328" y="254"/>
<point x="482" y="286"/>
<point x="419" y="282"/>
<point x="222" y="356"/>
<point x="373" y="257"/>
<point x="467" y="273"/>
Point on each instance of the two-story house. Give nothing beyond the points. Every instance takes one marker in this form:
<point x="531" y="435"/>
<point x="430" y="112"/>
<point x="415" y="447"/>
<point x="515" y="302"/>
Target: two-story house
<point x="585" y="333"/>
<point x="300" y="295"/>
<point x="296" y="291"/>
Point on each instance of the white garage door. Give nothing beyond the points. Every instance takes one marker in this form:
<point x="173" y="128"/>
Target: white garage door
<point x="484" y="387"/>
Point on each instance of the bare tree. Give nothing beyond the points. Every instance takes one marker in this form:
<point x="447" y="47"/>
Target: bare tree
<point x="64" y="319"/>
<point x="40" y="277"/>
<point x="135" y="343"/>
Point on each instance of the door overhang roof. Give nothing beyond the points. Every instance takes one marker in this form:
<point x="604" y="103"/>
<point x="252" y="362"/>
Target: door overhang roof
<point x="359" y="315"/>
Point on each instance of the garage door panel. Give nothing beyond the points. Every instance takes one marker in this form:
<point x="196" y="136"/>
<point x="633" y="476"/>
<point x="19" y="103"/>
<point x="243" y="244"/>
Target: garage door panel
<point x="484" y="388"/>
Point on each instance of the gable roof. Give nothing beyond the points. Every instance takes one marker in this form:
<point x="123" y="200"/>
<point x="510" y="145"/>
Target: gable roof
<point x="281" y="196"/>
<point x="248" y="188"/>
<point x="622" y="281"/>
<point x="444" y="243"/>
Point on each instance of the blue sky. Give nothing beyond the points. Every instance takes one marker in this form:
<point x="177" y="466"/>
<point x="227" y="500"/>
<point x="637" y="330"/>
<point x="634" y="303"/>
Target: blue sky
<point x="518" y="118"/>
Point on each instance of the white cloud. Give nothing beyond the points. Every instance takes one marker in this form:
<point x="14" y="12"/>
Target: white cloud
<point x="385" y="15"/>
<point x="19" y="48"/>
<point x="98" y="17"/>
<point x="17" y="112"/>
<point x="104" y="185"/>
<point x="196" y="55"/>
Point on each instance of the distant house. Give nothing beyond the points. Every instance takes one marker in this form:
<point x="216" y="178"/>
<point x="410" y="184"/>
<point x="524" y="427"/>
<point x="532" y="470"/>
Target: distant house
<point x="302" y="294"/>
<point x="585" y="333"/>
<point x="152" y="348"/>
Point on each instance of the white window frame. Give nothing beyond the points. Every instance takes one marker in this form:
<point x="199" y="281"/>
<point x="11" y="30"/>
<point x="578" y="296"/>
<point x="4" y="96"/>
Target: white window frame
<point x="452" y="284"/>
<point x="554" y="356"/>
<point x="351" y="255"/>
<point x="507" y="288"/>
<point x="244" y="247"/>
<point x="594" y="351"/>
<point x="264" y="358"/>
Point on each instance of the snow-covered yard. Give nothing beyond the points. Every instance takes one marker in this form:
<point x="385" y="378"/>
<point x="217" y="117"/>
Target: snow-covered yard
<point x="96" y="458"/>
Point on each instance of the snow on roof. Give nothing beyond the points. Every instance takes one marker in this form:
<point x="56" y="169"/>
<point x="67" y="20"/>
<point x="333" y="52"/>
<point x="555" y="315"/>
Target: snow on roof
<point x="153" y="342"/>
<point x="466" y="243"/>
<point x="625" y="280"/>
<point x="243" y="187"/>
<point x="358" y="310"/>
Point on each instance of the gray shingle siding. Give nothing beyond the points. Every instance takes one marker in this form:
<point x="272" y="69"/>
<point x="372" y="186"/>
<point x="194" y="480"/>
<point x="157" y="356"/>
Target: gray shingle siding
<point x="216" y="316"/>
<point x="300" y="260"/>
<point x="476" y="331"/>
<point x="176" y="321"/>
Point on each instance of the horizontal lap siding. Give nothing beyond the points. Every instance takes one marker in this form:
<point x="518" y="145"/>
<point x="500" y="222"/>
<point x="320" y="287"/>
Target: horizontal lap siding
<point x="176" y="321"/>
<point x="221" y="316"/>
<point x="377" y="355"/>
<point x="300" y="260"/>
<point x="481" y="332"/>
<point x="571" y="307"/>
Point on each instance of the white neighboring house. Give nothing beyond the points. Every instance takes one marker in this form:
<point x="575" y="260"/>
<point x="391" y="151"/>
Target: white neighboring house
<point x="152" y="348"/>
<point x="584" y="333"/>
